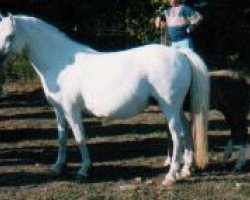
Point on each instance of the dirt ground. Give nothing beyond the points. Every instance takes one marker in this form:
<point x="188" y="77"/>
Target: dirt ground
<point x="127" y="155"/>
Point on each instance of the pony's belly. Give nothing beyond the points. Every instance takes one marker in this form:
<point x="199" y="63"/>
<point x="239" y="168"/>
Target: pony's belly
<point x="117" y="95"/>
<point x="116" y="109"/>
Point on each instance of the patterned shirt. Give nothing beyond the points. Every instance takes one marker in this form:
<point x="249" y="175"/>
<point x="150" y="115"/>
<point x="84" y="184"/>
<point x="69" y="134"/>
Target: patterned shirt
<point x="180" y="21"/>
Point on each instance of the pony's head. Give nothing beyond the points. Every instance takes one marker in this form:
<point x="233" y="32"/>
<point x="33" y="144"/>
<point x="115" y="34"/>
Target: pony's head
<point x="9" y="39"/>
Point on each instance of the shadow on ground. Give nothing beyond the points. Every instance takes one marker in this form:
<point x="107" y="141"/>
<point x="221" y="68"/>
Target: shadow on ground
<point x="108" y="172"/>
<point x="101" y="152"/>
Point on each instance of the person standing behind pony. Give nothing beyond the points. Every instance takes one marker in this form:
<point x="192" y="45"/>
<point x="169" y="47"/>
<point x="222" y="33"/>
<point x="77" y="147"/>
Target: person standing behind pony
<point x="179" y="21"/>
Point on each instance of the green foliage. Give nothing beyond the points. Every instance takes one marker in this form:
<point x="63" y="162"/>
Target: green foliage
<point x="19" y="69"/>
<point x="222" y="39"/>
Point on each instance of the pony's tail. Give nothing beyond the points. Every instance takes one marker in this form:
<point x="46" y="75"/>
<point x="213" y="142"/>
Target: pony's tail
<point x="200" y="98"/>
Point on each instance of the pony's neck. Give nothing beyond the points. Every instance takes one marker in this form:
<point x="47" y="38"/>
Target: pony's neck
<point x="48" y="50"/>
<point x="47" y="47"/>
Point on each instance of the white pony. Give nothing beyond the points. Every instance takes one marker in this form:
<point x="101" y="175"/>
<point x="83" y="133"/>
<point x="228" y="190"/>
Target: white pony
<point x="76" y="78"/>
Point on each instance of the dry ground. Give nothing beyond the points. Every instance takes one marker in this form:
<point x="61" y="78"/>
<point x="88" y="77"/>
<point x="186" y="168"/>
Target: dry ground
<point x="127" y="156"/>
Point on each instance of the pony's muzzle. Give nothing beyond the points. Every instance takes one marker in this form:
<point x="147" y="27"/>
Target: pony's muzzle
<point x="3" y="57"/>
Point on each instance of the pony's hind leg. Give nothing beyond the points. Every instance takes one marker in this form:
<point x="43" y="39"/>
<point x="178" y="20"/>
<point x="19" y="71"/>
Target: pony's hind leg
<point x="167" y="161"/>
<point x="187" y="147"/>
<point x="74" y="119"/>
<point x="62" y="140"/>
<point x="188" y="150"/>
<point x="177" y="133"/>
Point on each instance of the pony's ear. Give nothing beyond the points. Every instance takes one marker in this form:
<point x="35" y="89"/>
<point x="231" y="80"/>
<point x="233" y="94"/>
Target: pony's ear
<point x="12" y="18"/>
<point x="1" y="16"/>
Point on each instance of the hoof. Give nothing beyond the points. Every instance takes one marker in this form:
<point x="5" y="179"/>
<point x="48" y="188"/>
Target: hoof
<point x="185" y="174"/>
<point x="169" y="184"/>
<point x="83" y="175"/>
<point x="225" y="171"/>
<point x="81" y="178"/>
<point x="238" y="170"/>
<point x="178" y="176"/>
<point x="54" y="171"/>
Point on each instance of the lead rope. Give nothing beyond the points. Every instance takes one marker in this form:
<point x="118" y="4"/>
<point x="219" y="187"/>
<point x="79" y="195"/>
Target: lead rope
<point x="164" y="39"/>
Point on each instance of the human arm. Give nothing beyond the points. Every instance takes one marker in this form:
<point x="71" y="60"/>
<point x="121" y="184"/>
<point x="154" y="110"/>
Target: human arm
<point x="194" y="18"/>
<point x="160" y="21"/>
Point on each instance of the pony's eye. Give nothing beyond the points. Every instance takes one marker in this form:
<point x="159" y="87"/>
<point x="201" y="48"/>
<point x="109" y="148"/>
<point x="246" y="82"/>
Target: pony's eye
<point x="10" y="37"/>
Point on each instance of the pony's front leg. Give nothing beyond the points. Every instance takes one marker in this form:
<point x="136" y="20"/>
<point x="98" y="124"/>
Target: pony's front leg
<point x="62" y="140"/>
<point x="75" y="122"/>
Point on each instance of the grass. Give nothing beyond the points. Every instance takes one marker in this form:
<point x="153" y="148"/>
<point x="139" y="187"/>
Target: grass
<point x="211" y="189"/>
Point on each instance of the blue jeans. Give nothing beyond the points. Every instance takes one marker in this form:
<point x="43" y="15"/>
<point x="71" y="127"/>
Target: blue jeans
<point x="185" y="43"/>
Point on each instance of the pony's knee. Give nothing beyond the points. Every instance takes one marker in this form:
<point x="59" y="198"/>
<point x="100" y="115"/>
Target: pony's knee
<point x="80" y="140"/>
<point x="62" y="139"/>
